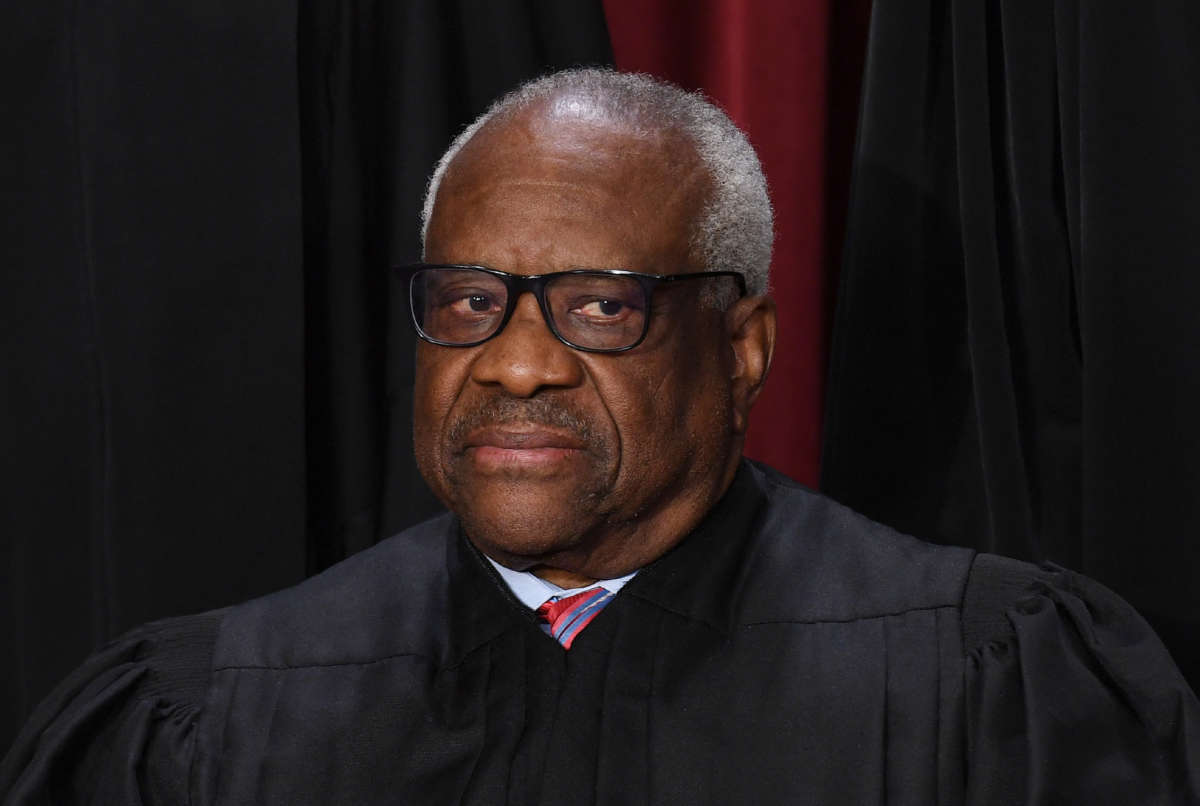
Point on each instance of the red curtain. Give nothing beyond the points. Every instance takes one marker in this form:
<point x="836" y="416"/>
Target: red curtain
<point x="787" y="72"/>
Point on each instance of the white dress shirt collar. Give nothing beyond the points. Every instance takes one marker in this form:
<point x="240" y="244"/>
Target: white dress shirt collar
<point x="532" y="590"/>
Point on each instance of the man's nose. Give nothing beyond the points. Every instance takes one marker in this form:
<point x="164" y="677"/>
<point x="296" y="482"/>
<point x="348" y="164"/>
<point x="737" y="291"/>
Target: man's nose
<point x="526" y="357"/>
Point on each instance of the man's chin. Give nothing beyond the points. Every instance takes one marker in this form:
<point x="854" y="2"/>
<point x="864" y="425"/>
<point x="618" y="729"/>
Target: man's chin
<point x="524" y="528"/>
<point x="518" y="549"/>
<point x="526" y="506"/>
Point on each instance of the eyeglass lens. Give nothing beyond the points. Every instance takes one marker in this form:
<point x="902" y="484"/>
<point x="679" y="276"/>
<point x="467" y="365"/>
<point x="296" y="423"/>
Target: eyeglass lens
<point x="465" y="306"/>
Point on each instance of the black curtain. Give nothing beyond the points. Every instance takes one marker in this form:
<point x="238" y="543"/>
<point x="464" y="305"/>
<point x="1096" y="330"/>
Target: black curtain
<point x="199" y="399"/>
<point x="1016" y="361"/>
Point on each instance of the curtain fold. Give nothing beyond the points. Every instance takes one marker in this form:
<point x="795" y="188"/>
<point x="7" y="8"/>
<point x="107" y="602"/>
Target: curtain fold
<point x="1014" y="362"/>
<point x="152" y="313"/>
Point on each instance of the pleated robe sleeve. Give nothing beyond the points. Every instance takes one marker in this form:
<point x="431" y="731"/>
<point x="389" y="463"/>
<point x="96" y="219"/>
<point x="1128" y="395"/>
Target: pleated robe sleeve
<point x="121" y="728"/>
<point x="1071" y="697"/>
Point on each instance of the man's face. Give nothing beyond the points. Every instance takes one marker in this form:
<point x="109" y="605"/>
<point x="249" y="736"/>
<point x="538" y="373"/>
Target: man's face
<point x="591" y="463"/>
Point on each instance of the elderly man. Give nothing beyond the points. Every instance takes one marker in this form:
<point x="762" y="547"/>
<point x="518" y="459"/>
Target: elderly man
<point x="619" y="608"/>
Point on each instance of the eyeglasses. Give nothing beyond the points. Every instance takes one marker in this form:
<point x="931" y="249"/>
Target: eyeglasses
<point x="596" y="310"/>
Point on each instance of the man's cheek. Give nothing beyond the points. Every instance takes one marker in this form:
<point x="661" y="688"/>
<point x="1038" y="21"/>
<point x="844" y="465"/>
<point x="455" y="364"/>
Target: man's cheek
<point x="432" y="404"/>
<point x="652" y="421"/>
<point x="439" y="380"/>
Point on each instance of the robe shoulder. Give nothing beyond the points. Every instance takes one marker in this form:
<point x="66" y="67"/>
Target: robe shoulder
<point x="121" y="727"/>
<point x="813" y="559"/>
<point x="1070" y="697"/>
<point x="386" y="601"/>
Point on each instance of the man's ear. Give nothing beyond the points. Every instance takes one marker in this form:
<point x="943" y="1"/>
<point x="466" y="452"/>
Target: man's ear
<point x="750" y="327"/>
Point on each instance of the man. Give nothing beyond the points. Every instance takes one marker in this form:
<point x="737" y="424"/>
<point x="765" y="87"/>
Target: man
<point x="620" y="609"/>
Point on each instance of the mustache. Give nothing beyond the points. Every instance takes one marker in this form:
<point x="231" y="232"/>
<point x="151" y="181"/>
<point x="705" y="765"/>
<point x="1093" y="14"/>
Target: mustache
<point x="521" y="411"/>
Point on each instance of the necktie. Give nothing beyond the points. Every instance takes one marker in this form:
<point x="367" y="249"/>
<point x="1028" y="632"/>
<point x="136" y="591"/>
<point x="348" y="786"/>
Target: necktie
<point x="567" y="617"/>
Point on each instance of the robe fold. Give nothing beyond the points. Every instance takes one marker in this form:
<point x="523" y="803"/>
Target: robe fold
<point x="787" y="651"/>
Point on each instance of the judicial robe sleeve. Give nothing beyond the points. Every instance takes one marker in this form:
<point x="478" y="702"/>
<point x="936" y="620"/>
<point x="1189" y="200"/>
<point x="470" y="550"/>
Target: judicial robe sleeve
<point x="1070" y="696"/>
<point x="121" y="728"/>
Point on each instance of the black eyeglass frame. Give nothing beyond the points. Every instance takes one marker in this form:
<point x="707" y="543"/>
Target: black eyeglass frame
<point x="517" y="285"/>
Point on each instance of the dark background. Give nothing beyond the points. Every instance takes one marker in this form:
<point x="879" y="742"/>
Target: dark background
<point x="206" y="392"/>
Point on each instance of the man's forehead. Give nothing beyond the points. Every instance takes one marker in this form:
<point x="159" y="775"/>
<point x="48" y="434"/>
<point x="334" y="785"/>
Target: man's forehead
<point x="575" y="175"/>
<point x="575" y="134"/>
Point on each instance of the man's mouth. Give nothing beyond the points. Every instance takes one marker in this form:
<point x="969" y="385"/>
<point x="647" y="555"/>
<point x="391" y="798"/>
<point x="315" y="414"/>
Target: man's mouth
<point x="519" y="447"/>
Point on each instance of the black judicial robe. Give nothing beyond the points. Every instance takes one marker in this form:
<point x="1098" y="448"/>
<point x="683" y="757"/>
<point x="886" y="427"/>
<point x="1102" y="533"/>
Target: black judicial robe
<point x="788" y="651"/>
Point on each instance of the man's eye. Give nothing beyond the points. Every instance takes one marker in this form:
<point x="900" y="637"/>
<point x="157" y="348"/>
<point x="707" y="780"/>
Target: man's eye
<point x="472" y="303"/>
<point x="601" y="308"/>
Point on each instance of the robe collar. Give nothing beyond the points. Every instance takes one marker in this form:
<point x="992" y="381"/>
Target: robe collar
<point x="699" y="578"/>
<point x="702" y="576"/>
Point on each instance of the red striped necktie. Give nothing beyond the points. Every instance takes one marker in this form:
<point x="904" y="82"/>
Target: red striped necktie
<point x="568" y="616"/>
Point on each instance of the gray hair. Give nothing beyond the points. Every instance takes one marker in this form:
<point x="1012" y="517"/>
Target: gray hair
<point x="734" y="231"/>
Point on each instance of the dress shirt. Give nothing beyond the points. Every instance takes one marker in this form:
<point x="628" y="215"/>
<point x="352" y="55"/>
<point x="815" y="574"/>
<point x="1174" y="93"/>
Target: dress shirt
<point x="532" y="591"/>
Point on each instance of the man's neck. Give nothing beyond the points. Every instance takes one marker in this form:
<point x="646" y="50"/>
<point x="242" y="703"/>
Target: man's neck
<point x="561" y="578"/>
